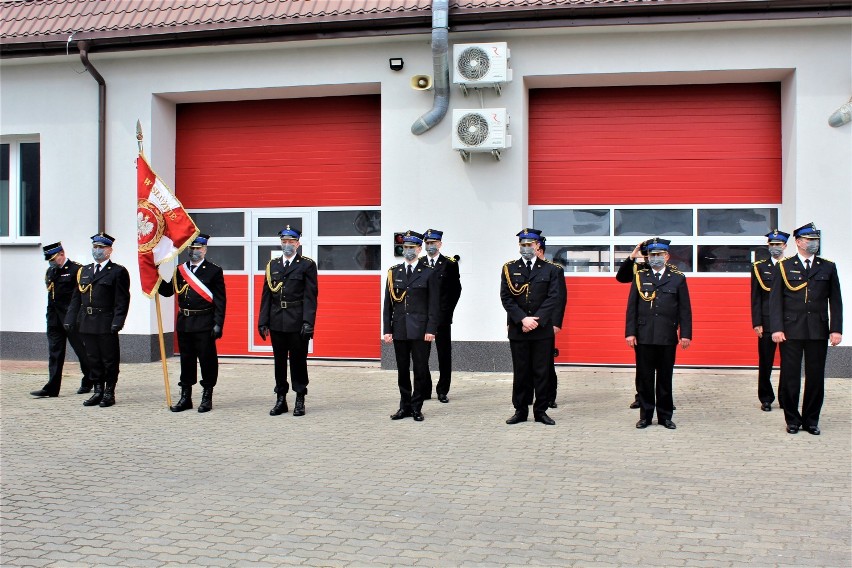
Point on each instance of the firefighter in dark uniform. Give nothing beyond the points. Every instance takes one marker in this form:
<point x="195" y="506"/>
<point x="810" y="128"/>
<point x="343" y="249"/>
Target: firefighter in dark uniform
<point x="558" y="320"/>
<point x="447" y="273"/>
<point x="763" y="274"/>
<point x="658" y="311"/>
<point x="288" y="312"/>
<point x="98" y="309"/>
<point x="530" y="293"/>
<point x="805" y="316"/>
<point x="61" y="279"/>
<point x="200" y="287"/>
<point x="410" y="320"/>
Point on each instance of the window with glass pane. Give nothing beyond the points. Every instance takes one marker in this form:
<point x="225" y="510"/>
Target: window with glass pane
<point x="267" y="253"/>
<point x="356" y="223"/>
<point x="727" y="258"/>
<point x="227" y="256"/>
<point x="653" y="222"/>
<point x="30" y="189"/>
<point x="349" y="257"/>
<point x="581" y="258"/>
<point x="745" y="222"/>
<point x="4" y="190"/>
<point x="681" y="256"/>
<point x="221" y="224"/>
<point x="269" y="227"/>
<point x="572" y="222"/>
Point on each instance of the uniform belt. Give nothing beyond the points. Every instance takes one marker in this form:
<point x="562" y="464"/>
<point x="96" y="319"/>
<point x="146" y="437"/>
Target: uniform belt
<point x="294" y="303"/>
<point x="195" y="312"/>
<point x="90" y="310"/>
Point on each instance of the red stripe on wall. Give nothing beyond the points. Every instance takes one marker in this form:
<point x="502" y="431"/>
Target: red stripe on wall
<point x="595" y="320"/>
<point x="310" y="152"/>
<point x="655" y="144"/>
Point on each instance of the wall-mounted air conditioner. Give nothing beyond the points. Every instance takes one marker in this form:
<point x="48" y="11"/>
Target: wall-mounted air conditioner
<point x="481" y="65"/>
<point x="481" y="130"/>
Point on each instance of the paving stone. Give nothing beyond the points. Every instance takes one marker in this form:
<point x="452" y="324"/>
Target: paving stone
<point x="346" y="486"/>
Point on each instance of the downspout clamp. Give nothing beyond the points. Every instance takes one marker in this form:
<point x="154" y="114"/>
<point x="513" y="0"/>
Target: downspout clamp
<point x="83" y="46"/>
<point x="441" y="69"/>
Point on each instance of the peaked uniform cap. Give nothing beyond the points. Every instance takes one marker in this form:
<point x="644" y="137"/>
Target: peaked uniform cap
<point x="200" y="240"/>
<point x="412" y="237"/>
<point x="52" y="250"/>
<point x="528" y="235"/>
<point x="289" y="232"/>
<point x="777" y="236"/>
<point x="102" y="239"/>
<point x="432" y="235"/>
<point x="808" y="231"/>
<point x="658" y="244"/>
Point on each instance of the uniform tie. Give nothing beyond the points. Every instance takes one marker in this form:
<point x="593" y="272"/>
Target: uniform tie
<point x="286" y="264"/>
<point x="192" y="267"/>
<point x="657" y="276"/>
<point x="432" y="263"/>
<point x="97" y="269"/>
<point x="529" y="265"/>
<point x="409" y="271"/>
<point x="807" y="266"/>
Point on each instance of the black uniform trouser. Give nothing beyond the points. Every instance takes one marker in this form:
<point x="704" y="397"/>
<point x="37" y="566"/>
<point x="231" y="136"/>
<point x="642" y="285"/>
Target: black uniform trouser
<point x="531" y="363"/>
<point x="104" y="355"/>
<point x="654" y="370"/>
<point x="814" y="351"/>
<point x="290" y="345"/>
<point x="765" y="360"/>
<point x="56" y="345"/>
<point x="551" y="380"/>
<point x="444" y="347"/>
<point x="412" y="352"/>
<point x="200" y="346"/>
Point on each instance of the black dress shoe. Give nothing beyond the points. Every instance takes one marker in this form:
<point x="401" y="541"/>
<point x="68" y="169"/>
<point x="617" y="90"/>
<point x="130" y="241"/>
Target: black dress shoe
<point x="634" y="405"/>
<point x="792" y="429"/>
<point x="766" y="406"/>
<point x="552" y="404"/>
<point x="417" y="415"/>
<point x="545" y="419"/>
<point x="518" y="416"/>
<point x="667" y="424"/>
<point x="643" y="423"/>
<point x="280" y="405"/>
<point x="84" y="389"/>
<point x="41" y="393"/>
<point x="400" y="414"/>
<point x="443" y="398"/>
<point x="813" y="430"/>
<point x="299" y="409"/>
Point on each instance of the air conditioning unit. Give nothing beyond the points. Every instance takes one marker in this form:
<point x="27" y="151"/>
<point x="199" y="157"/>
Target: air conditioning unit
<point x="481" y="130"/>
<point x="481" y="65"/>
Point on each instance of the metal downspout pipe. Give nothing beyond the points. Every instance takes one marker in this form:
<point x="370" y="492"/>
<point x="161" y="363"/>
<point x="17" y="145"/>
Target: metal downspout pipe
<point x="83" y="46"/>
<point x="441" y="69"/>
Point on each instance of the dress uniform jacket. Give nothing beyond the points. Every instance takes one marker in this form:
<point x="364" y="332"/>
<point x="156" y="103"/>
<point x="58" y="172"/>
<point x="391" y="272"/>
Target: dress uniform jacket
<point x="196" y="314"/>
<point x="806" y="306"/>
<point x="411" y="307"/>
<point x="449" y="282"/>
<point x="289" y="295"/>
<point x="532" y="293"/>
<point x="655" y="311"/>
<point x="763" y="274"/>
<point x="61" y="282"/>
<point x="100" y="302"/>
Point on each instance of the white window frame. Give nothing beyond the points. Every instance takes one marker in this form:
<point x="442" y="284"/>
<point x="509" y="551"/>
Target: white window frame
<point x="14" y="237"/>
<point x="691" y="240"/>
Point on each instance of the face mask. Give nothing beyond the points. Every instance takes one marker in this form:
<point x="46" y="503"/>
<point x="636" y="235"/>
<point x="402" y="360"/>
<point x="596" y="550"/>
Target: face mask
<point x="98" y="254"/>
<point x="52" y="263"/>
<point x="432" y="250"/>
<point x="288" y="250"/>
<point x="527" y="253"/>
<point x="195" y="256"/>
<point x="409" y="253"/>
<point x="776" y="251"/>
<point x="657" y="261"/>
<point x="813" y="246"/>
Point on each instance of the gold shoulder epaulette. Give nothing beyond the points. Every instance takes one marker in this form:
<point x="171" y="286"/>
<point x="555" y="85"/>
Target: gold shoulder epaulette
<point x="553" y="263"/>
<point x="826" y="259"/>
<point x="510" y="262"/>
<point x="642" y="270"/>
<point x="676" y="271"/>
<point x="756" y="262"/>
<point x="308" y="258"/>
<point x="451" y="258"/>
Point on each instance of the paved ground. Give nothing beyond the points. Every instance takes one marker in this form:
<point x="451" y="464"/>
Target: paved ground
<point x="136" y="485"/>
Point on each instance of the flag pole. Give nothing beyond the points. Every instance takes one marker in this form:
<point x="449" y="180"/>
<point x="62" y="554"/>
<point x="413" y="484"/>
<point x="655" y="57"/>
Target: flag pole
<point x="157" y="301"/>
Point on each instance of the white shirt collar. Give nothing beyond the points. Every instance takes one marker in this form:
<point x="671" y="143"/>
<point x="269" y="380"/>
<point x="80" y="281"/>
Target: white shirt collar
<point x="802" y="259"/>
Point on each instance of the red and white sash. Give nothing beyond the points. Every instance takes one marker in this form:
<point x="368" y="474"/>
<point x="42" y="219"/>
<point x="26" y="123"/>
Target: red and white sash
<point x="195" y="283"/>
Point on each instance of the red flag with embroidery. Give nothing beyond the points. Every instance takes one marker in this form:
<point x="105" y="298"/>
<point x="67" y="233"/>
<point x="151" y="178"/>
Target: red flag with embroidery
<point x="163" y="227"/>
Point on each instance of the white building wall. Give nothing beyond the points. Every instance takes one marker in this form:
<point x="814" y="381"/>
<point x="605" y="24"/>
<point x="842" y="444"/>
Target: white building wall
<point x="479" y="205"/>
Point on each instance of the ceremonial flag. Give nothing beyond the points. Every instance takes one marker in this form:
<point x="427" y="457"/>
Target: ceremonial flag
<point x="163" y="227"/>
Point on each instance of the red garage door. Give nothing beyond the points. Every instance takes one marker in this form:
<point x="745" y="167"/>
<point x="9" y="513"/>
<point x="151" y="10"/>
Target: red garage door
<point x="700" y="164"/>
<point x="244" y="168"/>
